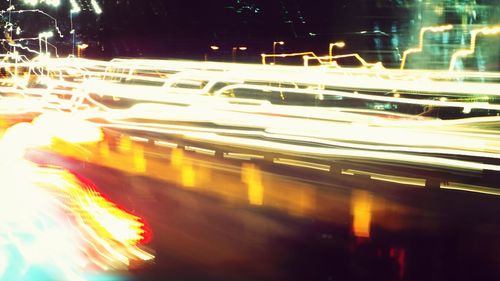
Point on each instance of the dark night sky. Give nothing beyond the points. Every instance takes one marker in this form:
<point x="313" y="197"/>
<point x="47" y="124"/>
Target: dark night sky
<point x="186" y="28"/>
<point x="183" y="28"/>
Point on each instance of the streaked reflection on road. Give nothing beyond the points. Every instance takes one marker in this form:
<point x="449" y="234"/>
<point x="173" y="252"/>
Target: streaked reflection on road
<point x="215" y="218"/>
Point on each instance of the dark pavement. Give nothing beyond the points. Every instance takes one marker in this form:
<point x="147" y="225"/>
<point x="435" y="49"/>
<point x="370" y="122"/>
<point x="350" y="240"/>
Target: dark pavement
<point x="244" y="223"/>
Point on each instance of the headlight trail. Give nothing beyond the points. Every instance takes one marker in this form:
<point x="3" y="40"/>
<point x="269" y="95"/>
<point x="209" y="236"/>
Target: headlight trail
<point x="368" y="116"/>
<point x="278" y="105"/>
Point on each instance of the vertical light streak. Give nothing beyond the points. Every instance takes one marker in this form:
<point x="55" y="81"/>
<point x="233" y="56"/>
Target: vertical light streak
<point x="140" y="163"/>
<point x="252" y="177"/>
<point x="441" y="28"/>
<point x="476" y="32"/>
<point x="188" y="175"/>
<point x="177" y="157"/>
<point x="362" y="213"/>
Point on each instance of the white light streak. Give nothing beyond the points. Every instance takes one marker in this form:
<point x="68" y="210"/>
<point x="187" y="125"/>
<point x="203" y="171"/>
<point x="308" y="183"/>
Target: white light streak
<point x="182" y="97"/>
<point x="53" y="3"/>
<point x="96" y="7"/>
<point x="75" y="8"/>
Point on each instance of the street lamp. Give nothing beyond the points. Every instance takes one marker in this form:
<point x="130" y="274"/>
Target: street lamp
<point x="339" y="44"/>
<point x="214" y="48"/>
<point x="233" y="53"/>
<point x="274" y="49"/>
<point x="81" y="48"/>
<point x="74" y="10"/>
<point x="43" y="38"/>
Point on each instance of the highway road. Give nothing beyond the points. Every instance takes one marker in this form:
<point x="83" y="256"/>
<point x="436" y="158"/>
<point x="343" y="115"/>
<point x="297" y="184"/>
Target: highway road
<point x="253" y="221"/>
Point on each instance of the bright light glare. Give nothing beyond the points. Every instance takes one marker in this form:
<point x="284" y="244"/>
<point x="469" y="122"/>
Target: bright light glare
<point x="195" y="94"/>
<point x="96" y="7"/>
<point x="239" y="106"/>
<point x="75" y="8"/>
<point x="53" y="3"/>
<point x="53" y="222"/>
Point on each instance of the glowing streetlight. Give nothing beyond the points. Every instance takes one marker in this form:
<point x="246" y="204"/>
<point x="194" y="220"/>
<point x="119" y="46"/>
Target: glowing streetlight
<point x="235" y="49"/>
<point x="96" y="7"/>
<point x="43" y="38"/>
<point x="214" y="48"/>
<point x="339" y="44"/>
<point x="53" y="3"/>
<point x="75" y="9"/>
<point x="274" y="49"/>
<point x="81" y="48"/>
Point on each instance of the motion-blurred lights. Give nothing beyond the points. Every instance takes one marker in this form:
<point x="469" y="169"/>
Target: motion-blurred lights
<point x="96" y="7"/>
<point x="75" y="8"/>
<point x="47" y="34"/>
<point x="53" y="3"/>
<point x="69" y="128"/>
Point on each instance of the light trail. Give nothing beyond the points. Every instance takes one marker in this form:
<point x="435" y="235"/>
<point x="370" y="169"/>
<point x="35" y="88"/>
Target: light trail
<point x="441" y="28"/>
<point x="246" y="109"/>
<point x="54" y="224"/>
<point x="487" y="31"/>
<point x="218" y="103"/>
<point x="37" y="11"/>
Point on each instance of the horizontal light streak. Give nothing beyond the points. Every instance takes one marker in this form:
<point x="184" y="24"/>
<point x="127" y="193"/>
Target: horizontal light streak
<point x="183" y="98"/>
<point x="242" y="156"/>
<point x="303" y="164"/>
<point x="470" y="188"/>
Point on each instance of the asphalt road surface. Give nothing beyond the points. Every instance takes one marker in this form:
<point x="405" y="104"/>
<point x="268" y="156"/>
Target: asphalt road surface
<point x="256" y="222"/>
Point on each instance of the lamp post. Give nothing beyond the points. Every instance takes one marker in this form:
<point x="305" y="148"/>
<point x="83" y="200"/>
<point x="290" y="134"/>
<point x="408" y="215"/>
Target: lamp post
<point x="75" y="9"/>
<point x="10" y="23"/>
<point x="72" y="32"/>
<point x="81" y="48"/>
<point x="339" y="44"/>
<point x="235" y="49"/>
<point x="274" y="49"/>
<point x="214" y="48"/>
<point x="43" y="38"/>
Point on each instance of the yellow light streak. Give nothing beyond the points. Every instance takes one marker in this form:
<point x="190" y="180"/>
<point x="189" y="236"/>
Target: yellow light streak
<point x="303" y="164"/>
<point x="194" y="99"/>
<point x="441" y="28"/>
<point x="362" y="214"/>
<point x="470" y="188"/>
<point x="252" y="177"/>
<point x="339" y="44"/>
<point x="333" y="60"/>
<point x="301" y="54"/>
<point x="486" y="31"/>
